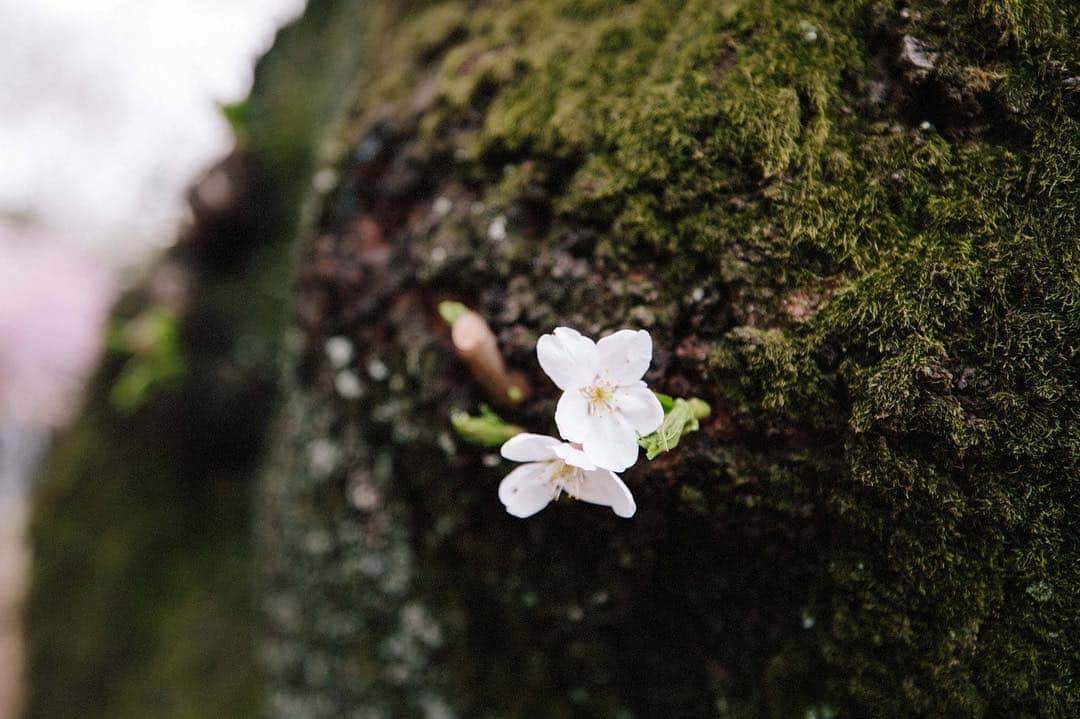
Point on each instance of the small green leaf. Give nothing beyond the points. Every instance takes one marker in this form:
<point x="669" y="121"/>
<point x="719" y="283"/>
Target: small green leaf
<point x="132" y="387"/>
<point x="238" y="115"/>
<point x="450" y="311"/>
<point x="152" y="339"/>
<point x="681" y="418"/>
<point x="699" y="408"/>
<point x="666" y="401"/>
<point x="487" y="429"/>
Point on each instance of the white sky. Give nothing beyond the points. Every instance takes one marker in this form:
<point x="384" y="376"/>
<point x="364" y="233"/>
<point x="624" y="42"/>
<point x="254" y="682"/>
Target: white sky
<point x="108" y="110"/>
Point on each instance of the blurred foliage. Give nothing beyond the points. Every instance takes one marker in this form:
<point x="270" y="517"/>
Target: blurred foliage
<point x="152" y="342"/>
<point x="142" y="600"/>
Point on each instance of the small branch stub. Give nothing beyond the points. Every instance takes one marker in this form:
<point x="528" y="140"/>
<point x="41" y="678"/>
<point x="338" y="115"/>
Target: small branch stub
<point x="476" y="345"/>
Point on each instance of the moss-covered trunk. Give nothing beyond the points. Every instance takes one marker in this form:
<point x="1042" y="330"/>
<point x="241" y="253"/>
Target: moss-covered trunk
<point x="851" y="227"/>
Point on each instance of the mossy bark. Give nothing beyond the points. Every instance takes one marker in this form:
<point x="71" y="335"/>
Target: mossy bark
<point x="851" y="227"/>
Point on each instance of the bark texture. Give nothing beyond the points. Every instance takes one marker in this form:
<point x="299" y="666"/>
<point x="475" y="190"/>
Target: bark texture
<point x="851" y="227"/>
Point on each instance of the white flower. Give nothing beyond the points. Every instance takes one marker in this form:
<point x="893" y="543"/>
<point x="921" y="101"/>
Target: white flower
<point x="605" y="406"/>
<point x="553" y="467"/>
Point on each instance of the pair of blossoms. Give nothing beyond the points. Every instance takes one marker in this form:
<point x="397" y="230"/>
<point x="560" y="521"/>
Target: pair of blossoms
<point x="605" y="407"/>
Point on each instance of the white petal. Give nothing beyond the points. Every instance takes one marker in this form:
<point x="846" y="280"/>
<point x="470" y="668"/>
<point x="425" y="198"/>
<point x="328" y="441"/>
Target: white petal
<point x="568" y="358"/>
<point x="639" y="407"/>
<point x="624" y="357"/>
<point x="574" y="456"/>
<point x="530" y="448"/>
<point x="527" y="489"/>
<point x="610" y="442"/>
<point x="572" y="416"/>
<point x="603" y="487"/>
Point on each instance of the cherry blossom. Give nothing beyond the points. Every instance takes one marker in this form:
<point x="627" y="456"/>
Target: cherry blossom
<point x="552" y="467"/>
<point x="605" y="405"/>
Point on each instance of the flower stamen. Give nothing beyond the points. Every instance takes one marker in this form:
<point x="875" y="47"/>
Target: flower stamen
<point x="565" y="477"/>
<point x="600" y="396"/>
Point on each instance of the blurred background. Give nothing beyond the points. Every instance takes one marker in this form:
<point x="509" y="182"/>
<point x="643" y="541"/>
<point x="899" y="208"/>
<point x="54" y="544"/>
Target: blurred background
<point x="109" y="109"/>
<point x="229" y="481"/>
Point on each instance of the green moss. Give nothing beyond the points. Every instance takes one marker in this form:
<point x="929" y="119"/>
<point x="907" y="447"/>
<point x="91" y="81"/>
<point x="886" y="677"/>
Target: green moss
<point x="140" y="599"/>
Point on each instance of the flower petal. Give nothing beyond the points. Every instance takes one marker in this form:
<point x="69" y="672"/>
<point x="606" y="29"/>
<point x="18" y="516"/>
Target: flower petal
<point x="574" y="456"/>
<point x="639" y="407"/>
<point x="600" y="486"/>
<point x="610" y="442"/>
<point x="572" y="416"/>
<point x="527" y="489"/>
<point x="568" y="358"/>
<point x="624" y="357"/>
<point x="528" y="447"/>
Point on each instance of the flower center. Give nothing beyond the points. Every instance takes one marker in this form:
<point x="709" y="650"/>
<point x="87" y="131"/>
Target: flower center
<point x="565" y="477"/>
<point x="600" y="395"/>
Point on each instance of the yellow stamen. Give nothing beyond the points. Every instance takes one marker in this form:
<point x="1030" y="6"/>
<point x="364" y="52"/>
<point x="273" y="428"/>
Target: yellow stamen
<point x="561" y="472"/>
<point x="600" y="396"/>
<point x="565" y="478"/>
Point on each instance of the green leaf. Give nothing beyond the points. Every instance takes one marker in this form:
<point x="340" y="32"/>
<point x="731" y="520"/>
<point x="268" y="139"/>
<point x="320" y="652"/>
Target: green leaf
<point x="238" y="115"/>
<point x="681" y="417"/>
<point x="487" y="429"/>
<point x="153" y="341"/>
<point x="666" y="401"/>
